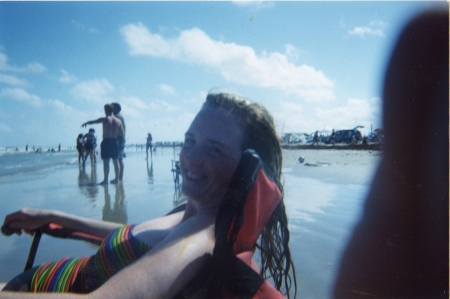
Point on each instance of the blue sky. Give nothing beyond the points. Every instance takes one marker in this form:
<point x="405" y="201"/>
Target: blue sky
<point x="314" y="65"/>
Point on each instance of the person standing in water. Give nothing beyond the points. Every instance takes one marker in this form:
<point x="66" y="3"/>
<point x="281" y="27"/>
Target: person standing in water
<point x="90" y="143"/>
<point x="80" y="148"/>
<point x="109" y="148"/>
<point x="316" y="138"/>
<point x="149" y="145"/>
<point x="120" y="139"/>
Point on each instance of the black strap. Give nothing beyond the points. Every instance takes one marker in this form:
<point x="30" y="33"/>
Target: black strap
<point x="33" y="250"/>
<point x="235" y="198"/>
<point x="224" y="268"/>
<point x="237" y="276"/>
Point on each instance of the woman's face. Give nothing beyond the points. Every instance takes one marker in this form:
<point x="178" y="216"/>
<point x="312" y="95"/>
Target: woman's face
<point x="210" y="154"/>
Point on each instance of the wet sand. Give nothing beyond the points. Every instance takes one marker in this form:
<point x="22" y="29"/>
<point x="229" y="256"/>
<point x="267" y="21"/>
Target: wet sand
<point x="323" y="197"/>
<point x="333" y="165"/>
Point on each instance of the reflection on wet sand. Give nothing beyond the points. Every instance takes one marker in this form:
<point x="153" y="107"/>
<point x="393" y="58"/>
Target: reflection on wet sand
<point x="88" y="184"/>
<point x="178" y="198"/>
<point x="150" y="171"/>
<point x="118" y="213"/>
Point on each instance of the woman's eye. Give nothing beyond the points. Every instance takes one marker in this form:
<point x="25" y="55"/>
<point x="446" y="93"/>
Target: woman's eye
<point x="189" y="142"/>
<point x="213" y="150"/>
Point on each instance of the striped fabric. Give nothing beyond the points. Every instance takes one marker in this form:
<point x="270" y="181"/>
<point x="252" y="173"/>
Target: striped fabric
<point x="83" y="275"/>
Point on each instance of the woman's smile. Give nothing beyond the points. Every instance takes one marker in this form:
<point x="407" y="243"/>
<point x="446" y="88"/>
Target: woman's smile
<point x="210" y="154"/>
<point x="192" y="176"/>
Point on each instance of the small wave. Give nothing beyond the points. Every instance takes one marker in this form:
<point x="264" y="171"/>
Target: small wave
<point x="19" y="164"/>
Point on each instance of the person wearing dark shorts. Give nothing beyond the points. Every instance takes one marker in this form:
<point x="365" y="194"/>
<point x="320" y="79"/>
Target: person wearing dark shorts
<point x="80" y="148"/>
<point x="149" y="145"/>
<point x="112" y="129"/>
<point x="109" y="148"/>
<point x="90" y="143"/>
<point x="120" y="138"/>
<point x="121" y="153"/>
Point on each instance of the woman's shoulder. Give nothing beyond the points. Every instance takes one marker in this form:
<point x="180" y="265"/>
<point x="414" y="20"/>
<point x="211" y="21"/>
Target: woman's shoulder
<point x="173" y="228"/>
<point x="153" y="231"/>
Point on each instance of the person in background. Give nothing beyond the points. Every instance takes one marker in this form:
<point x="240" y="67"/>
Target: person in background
<point x="80" y="148"/>
<point x="90" y="143"/>
<point x="316" y="138"/>
<point x="149" y="145"/>
<point x="120" y="139"/>
<point x="333" y="137"/>
<point x="109" y="148"/>
<point x="170" y="251"/>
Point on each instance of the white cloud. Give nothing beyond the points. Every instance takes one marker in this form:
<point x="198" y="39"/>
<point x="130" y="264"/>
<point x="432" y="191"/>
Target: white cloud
<point x="289" y="117"/>
<point x="20" y="95"/>
<point x="68" y="114"/>
<point x="134" y="107"/>
<point x="13" y="80"/>
<point x="93" y="30"/>
<point x="135" y="102"/>
<point x="342" y="22"/>
<point x="291" y="108"/>
<point x="98" y="91"/>
<point x="236" y="63"/>
<point x="166" y="89"/>
<point x="362" y="31"/>
<point x="254" y="4"/>
<point x="5" y="128"/>
<point x="295" y="117"/>
<point x="33" y="67"/>
<point x="378" y="23"/>
<point x="375" y="28"/>
<point x="292" y="52"/>
<point x="355" y="112"/>
<point x="77" y="25"/>
<point x="3" y="61"/>
<point x="60" y="106"/>
<point x="66" y="77"/>
<point x="80" y="26"/>
<point x="164" y="105"/>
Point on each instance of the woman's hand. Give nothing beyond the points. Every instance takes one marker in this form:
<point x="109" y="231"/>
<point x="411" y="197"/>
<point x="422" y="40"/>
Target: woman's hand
<point x="27" y="220"/>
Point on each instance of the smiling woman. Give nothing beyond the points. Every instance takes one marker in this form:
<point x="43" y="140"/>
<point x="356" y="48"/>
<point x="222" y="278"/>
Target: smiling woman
<point x="210" y="155"/>
<point x="161" y="257"/>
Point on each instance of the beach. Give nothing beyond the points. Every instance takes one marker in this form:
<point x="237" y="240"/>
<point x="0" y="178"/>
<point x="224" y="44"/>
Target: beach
<point x="323" y="197"/>
<point x="340" y="166"/>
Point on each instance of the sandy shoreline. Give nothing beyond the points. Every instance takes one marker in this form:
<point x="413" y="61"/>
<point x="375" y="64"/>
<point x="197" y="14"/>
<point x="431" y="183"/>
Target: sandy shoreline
<point x="324" y="198"/>
<point x="320" y="221"/>
<point x="333" y="165"/>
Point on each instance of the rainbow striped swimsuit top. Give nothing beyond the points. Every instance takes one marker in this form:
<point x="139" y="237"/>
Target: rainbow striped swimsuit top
<point x="84" y="275"/>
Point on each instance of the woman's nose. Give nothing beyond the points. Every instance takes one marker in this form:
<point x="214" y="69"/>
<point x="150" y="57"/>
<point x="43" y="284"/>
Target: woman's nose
<point x="192" y="155"/>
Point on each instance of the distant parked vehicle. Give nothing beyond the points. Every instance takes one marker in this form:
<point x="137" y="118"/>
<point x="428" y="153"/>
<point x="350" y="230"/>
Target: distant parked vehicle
<point x="295" y="137"/>
<point x="377" y="136"/>
<point x="346" y="136"/>
<point x="323" y="135"/>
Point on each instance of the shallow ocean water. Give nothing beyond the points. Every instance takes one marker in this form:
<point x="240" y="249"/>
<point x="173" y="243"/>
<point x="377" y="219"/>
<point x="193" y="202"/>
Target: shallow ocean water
<point x="321" y="215"/>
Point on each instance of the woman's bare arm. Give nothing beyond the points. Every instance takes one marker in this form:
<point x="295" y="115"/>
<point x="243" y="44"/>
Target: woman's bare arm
<point x="167" y="268"/>
<point x="16" y="295"/>
<point x="32" y="219"/>
<point x="161" y="273"/>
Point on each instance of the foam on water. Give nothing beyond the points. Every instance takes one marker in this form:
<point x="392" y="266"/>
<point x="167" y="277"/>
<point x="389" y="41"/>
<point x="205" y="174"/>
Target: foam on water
<point x="23" y="163"/>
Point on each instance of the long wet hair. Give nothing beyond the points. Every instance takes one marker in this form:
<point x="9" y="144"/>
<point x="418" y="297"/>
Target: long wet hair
<point x="259" y="134"/>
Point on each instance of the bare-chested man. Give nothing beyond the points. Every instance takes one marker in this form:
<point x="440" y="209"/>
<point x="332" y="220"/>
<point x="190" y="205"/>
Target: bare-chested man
<point x="109" y="148"/>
